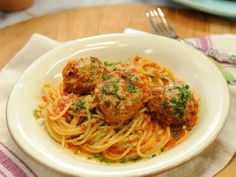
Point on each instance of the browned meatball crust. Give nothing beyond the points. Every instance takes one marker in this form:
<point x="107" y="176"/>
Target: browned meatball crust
<point x="81" y="76"/>
<point x="172" y="104"/>
<point x="119" y="98"/>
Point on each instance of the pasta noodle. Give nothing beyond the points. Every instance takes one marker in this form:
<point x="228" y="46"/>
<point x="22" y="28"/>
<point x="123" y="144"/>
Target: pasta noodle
<point x="76" y="122"/>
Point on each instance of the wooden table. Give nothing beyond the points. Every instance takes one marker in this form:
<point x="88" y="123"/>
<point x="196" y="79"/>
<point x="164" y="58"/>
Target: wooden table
<point x="77" y="23"/>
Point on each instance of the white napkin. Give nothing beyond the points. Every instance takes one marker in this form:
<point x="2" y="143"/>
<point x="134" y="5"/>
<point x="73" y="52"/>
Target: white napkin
<point x="14" y="162"/>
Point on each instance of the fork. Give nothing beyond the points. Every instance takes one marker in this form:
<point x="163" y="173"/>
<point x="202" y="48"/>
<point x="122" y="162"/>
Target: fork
<point x="162" y="26"/>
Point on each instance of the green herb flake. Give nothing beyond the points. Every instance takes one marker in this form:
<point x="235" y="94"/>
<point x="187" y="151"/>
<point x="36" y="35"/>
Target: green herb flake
<point x="35" y="113"/>
<point x="103" y="159"/>
<point x="111" y="64"/>
<point x="130" y="159"/>
<point x="106" y="89"/>
<point x="132" y="88"/>
<point x="77" y="152"/>
<point x="135" y="159"/>
<point x="178" y="106"/>
<point x="102" y="96"/>
<point x="173" y="100"/>
<point x="164" y="105"/>
<point x="116" y="89"/>
<point x="79" y="106"/>
<point x="107" y="103"/>
<point x="123" y="160"/>
<point x="115" y="82"/>
<point x="162" y="149"/>
<point x="175" y="134"/>
<point x="107" y="77"/>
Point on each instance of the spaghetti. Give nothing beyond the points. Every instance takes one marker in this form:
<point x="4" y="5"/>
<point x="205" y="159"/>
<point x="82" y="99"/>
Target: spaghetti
<point x="79" y="123"/>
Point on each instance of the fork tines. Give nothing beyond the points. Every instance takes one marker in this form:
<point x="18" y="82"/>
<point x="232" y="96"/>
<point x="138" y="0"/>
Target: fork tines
<point x="160" y="24"/>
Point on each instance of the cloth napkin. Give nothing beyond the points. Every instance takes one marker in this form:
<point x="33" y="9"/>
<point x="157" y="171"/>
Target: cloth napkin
<point x="14" y="162"/>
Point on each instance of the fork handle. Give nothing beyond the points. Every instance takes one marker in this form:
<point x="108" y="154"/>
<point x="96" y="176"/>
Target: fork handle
<point x="214" y="54"/>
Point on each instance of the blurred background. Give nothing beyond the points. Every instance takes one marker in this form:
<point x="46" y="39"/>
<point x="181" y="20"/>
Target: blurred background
<point x="14" y="11"/>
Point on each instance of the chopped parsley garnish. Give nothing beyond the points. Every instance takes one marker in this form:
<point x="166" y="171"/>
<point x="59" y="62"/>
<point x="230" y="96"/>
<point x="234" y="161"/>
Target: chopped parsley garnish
<point x="131" y="77"/>
<point x="178" y="104"/>
<point x="130" y="159"/>
<point x="162" y="149"/>
<point x="79" y="106"/>
<point x="132" y="88"/>
<point x="102" y="159"/>
<point x="175" y="134"/>
<point x="102" y="96"/>
<point x="77" y="152"/>
<point x="106" y="103"/>
<point x="164" y="105"/>
<point x="35" y="113"/>
<point x="113" y="89"/>
<point x="106" y="89"/>
<point x="107" y="77"/>
<point x="111" y="64"/>
<point x="115" y="81"/>
<point x="137" y="158"/>
<point x="123" y="160"/>
<point x="116" y="92"/>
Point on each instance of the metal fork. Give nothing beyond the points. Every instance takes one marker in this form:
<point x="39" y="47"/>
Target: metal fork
<point x="162" y="26"/>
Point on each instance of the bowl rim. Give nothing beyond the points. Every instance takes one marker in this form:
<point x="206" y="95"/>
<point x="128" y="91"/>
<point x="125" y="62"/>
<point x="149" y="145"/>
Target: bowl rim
<point x="152" y="170"/>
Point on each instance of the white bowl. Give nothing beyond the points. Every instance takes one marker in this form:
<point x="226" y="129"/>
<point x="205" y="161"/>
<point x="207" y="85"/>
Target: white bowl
<point x="185" y="62"/>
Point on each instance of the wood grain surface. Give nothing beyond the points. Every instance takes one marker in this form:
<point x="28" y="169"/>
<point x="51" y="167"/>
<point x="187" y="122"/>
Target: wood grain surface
<point x="82" y="22"/>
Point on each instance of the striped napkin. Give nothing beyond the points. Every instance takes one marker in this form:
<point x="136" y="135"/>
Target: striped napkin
<point x="215" y="52"/>
<point x="14" y="162"/>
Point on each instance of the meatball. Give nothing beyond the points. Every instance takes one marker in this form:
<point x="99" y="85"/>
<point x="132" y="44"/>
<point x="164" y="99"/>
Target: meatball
<point x="172" y="104"/>
<point x="81" y="76"/>
<point x="119" y="99"/>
